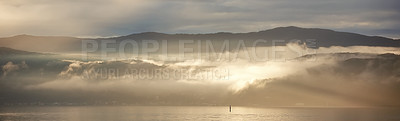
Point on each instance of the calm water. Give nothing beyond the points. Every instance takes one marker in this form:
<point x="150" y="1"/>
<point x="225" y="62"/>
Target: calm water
<point x="96" y="113"/>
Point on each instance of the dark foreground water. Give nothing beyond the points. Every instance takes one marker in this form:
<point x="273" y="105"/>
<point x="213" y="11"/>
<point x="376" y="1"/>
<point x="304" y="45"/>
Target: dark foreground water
<point x="97" y="113"/>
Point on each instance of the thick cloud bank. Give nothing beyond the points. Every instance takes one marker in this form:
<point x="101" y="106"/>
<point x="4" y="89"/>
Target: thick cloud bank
<point x="329" y="78"/>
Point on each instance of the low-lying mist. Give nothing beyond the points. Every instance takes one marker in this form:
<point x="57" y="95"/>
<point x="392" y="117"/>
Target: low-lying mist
<point x="291" y="75"/>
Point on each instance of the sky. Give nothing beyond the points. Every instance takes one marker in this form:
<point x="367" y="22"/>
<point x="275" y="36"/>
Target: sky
<point x="102" y="18"/>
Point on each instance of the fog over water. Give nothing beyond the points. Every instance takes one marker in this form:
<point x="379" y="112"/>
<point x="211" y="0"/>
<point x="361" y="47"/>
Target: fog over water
<point x="291" y="75"/>
<point x="146" y="60"/>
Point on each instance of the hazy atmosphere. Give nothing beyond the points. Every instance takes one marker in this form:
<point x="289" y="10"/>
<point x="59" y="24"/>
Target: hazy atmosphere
<point x="336" y="60"/>
<point x="87" y="18"/>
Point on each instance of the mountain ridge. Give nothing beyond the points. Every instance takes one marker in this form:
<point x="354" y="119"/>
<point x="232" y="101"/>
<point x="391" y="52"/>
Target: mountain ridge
<point x="10" y="51"/>
<point x="323" y="37"/>
<point x="222" y="32"/>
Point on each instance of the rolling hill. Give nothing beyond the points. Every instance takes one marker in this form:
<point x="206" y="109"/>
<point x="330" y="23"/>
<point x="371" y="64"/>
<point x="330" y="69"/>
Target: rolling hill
<point x="323" y="37"/>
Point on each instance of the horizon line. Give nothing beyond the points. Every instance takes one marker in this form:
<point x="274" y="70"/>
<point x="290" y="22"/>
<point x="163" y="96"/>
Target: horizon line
<point x="199" y="33"/>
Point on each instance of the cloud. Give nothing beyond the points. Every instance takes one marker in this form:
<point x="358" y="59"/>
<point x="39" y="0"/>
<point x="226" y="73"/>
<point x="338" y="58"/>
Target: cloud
<point x="341" y="83"/>
<point x="338" y="76"/>
<point x="108" y="18"/>
<point x="326" y="81"/>
<point x="11" y="67"/>
<point x="66" y="17"/>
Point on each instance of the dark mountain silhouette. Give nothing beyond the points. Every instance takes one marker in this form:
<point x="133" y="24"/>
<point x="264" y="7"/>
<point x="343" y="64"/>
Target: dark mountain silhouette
<point x="8" y="51"/>
<point x="41" y="43"/>
<point x="323" y="37"/>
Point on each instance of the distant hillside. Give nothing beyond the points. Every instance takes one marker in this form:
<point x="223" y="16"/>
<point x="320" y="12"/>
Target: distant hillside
<point x="41" y="43"/>
<point x="9" y="51"/>
<point x="323" y="37"/>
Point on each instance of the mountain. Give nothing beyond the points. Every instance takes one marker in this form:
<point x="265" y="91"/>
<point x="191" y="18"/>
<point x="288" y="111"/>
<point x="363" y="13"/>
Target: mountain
<point x="9" y="51"/>
<point x="323" y="37"/>
<point x="41" y="43"/>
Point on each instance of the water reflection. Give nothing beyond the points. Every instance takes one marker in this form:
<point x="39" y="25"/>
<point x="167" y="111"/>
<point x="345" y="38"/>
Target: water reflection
<point x="94" y="113"/>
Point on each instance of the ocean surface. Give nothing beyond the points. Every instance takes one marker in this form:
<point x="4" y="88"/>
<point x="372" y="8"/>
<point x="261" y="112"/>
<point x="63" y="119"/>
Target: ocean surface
<point x="207" y="113"/>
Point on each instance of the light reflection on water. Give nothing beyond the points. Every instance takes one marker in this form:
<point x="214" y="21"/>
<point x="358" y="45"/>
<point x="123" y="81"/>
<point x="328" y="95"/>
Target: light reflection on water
<point x="96" y="113"/>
